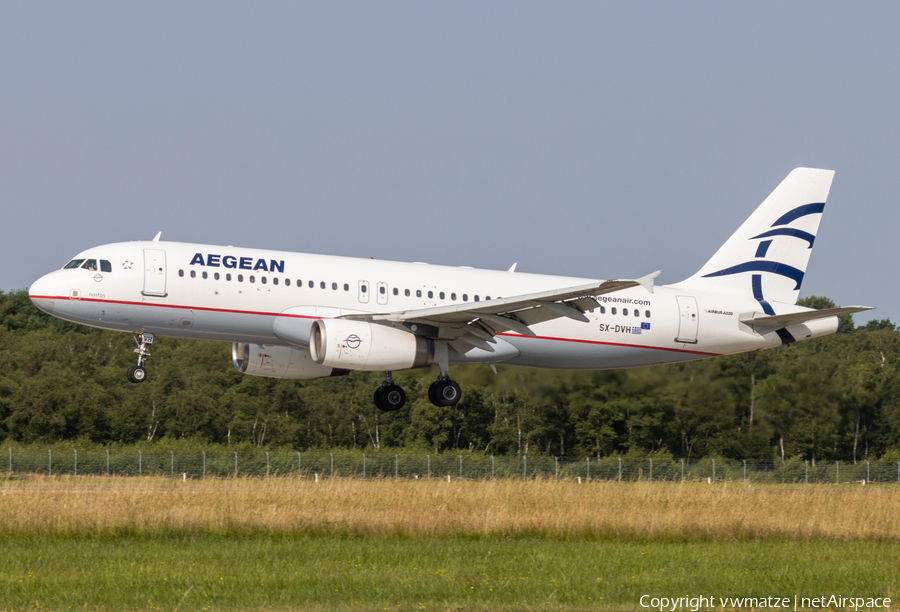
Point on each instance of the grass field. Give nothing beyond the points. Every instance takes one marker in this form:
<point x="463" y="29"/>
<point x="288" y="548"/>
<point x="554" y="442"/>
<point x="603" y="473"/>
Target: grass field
<point x="281" y="544"/>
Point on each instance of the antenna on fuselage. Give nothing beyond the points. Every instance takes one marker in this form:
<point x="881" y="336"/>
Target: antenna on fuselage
<point x="156" y="238"/>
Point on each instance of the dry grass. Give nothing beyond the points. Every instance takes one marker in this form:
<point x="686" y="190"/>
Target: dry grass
<point x="659" y="511"/>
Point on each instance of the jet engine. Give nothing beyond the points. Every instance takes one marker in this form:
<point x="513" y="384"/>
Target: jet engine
<point x="360" y="345"/>
<point x="279" y="362"/>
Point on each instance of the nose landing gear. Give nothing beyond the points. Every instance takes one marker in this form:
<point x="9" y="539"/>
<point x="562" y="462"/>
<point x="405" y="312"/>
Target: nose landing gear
<point x="138" y="373"/>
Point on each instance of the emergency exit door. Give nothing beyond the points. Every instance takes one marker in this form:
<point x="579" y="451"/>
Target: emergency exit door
<point x="688" y="320"/>
<point x="154" y="273"/>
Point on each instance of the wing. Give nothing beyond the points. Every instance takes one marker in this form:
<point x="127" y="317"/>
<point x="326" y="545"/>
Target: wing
<point x="474" y="324"/>
<point x="795" y="318"/>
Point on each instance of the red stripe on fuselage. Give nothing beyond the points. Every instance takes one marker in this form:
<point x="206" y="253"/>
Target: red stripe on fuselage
<point x="278" y="314"/>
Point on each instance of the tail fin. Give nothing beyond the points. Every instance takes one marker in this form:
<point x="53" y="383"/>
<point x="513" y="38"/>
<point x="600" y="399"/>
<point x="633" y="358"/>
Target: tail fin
<point x="766" y="257"/>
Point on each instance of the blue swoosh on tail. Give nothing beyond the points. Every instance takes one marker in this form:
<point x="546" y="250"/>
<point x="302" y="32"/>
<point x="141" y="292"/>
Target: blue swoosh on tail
<point x="800" y="211"/>
<point x="763" y="266"/>
<point x="788" y="231"/>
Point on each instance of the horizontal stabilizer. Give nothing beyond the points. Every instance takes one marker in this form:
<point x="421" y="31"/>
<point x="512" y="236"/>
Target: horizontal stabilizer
<point x="796" y="318"/>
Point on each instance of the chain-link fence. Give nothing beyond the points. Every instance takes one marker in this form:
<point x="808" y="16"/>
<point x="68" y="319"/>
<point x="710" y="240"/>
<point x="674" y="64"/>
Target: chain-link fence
<point x="467" y="467"/>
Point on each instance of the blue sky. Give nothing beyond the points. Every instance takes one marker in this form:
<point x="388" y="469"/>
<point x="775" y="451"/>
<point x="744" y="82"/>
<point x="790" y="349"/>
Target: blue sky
<point x="602" y="140"/>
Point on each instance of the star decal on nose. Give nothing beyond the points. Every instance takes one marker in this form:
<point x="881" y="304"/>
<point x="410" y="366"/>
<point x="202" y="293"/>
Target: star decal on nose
<point x="126" y="265"/>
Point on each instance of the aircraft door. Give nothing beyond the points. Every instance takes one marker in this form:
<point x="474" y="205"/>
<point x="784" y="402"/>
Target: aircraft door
<point x="154" y="273"/>
<point x="382" y="293"/>
<point x="688" y="319"/>
<point x="363" y="292"/>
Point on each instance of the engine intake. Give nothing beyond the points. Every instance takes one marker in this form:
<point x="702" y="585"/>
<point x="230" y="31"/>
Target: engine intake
<point x="360" y="345"/>
<point x="279" y="362"/>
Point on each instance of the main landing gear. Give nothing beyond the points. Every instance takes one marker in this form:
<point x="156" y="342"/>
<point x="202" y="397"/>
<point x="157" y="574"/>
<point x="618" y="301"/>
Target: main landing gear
<point x="389" y="397"/>
<point x="138" y="373"/>
<point x="444" y="392"/>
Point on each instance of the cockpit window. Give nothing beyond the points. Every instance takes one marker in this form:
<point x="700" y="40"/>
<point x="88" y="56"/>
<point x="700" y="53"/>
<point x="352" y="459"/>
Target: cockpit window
<point x="90" y="264"/>
<point x="73" y="264"/>
<point x="105" y="266"/>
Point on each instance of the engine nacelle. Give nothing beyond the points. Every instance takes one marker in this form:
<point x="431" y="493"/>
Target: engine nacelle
<point x="279" y="362"/>
<point x="359" y="345"/>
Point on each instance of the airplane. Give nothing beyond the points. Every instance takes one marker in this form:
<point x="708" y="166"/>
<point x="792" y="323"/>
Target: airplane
<point x="303" y="316"/>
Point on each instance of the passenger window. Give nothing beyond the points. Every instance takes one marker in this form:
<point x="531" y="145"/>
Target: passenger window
<point x="181" y="273"/>
<point x="193" y="274"/>
<point x="311" y="285"/>
<point x="465" y="297"/>
<point x="441" y="295"/>
<point x="602" y="309"/>
<point x="624" y="312"/>
<point x="430" y="294"/>
<point x="647" y="313"/>
<point x="205" y="275"/>
<point x="275" y="281"/>
<point x="75" y="263"/>
<point x="476" y="298"/>
<point x="637" y="312"/>
<point x="334" y="286"/>
<point x="363" y="288"/>
<point x="346" y="287"/>
<point x="382" y="290"/>
<point x="453" y="296"/>
<point x="396" y="291"/>
<point x="105" y="266"/>
<point x="240" y="278"/>
<point x="263" y="280"/>
<point x="228" y="277"/>
<point x="216" y="276"/>
<point x="406" y="292"/>
<point x="487" y="297"/>
<point x="418" y="293"/>
<point x="287" y="282"/>
<point x="613" y="311"/>
<point x="90" y="264"/>
<point x="252" y="278"/>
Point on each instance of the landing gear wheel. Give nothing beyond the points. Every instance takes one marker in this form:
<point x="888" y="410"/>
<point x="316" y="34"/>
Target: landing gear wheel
<point x="390" y="398"/>
<point x="393" y="397"/>
<point x="137" y="374"/>
<point x="444" y="393"/>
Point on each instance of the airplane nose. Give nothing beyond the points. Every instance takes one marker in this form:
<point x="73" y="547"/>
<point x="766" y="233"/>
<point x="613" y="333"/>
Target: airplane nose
<point x="42" y="294"/>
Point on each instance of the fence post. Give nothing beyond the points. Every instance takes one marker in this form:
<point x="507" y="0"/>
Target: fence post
<point x="332" y="464"/>
<point x="50" y="462"/>
<point x="620" y="469"/>
<point x="299" y="460"/>
<point x="235" y="464"/>
<point x="806" y="461"/>
<point x="76" y="462"/>
<point x="714" y="470"/>
<point x="140" y="463"/>
<point x="868" y="480"/>
<point x="745" y="470"/>
<point x="837" y="472"/>
<point x="204" y="463"/>
<point x="460" y="467"/>
<point x="107" y="462"/>
<point x="364" y="466"/>
<point x="492" y="469"/>
<point x="557" y="467"/>
<point x="588" y="473"/>
<point x="10" y="459"/>
<point x="682" y="470"/>
<point x="429" y="465"/>
<point x="396" y="466"/>
<point x="651" y="470"/>
<point x="267" y="464"/>
<point x="172" y="463"/>
<point x="524" y="467"/>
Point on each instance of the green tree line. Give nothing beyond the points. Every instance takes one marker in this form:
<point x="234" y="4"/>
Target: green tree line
<point x="834" y="398"/>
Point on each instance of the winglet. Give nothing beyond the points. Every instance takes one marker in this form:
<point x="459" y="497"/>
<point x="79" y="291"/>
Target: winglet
<point x="647" y="281"/>
<point x="513" y="268"/>
<point x="156" y="238"/>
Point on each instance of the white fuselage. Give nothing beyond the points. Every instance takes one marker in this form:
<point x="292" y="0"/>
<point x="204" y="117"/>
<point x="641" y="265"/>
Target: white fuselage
<point x="235" y="294"/>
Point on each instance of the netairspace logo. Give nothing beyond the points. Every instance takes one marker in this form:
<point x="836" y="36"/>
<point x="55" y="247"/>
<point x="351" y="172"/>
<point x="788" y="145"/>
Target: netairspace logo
<point x="796" y="603"/>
